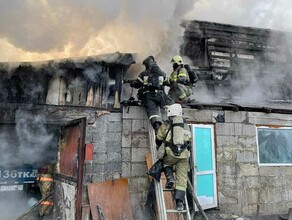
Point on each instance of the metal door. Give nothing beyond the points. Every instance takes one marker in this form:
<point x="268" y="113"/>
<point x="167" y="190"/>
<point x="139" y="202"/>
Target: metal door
<point x="69" y="171"/>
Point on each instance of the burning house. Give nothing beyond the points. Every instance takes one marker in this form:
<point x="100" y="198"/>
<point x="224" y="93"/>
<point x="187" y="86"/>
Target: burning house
<point x="44" y="111"/>
<point x="68" y="112"/>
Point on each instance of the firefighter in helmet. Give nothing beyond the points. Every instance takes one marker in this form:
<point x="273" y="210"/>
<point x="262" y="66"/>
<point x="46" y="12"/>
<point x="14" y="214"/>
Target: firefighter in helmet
<point x="176" y="136"/>
<point x="46" y="183"/>
<point x="151" y="90"/>
<point x="179" y="81"/>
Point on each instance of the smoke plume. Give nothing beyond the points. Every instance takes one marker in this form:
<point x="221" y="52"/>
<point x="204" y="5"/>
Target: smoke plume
<point x="29" y="142"/>
<point x="262" y="82"/>
<point x="261" y="13"/>
<point x="51" y="29"/>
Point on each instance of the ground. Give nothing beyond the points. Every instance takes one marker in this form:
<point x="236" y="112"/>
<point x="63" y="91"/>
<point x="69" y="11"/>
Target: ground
<point x="214" y="214"/>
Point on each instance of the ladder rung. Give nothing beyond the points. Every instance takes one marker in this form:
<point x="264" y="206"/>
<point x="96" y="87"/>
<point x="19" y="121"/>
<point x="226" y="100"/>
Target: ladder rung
<point x="175" y="211"/>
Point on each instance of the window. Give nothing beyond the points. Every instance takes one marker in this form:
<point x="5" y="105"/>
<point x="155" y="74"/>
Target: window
<point x="274" y="146"/>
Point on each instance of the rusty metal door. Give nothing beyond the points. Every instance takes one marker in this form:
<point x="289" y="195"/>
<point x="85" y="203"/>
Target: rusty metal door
<point x="69" y="171"/>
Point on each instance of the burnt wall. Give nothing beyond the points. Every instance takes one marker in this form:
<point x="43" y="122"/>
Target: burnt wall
<point x="91" y="81"/>
<point x="240" y="58"/>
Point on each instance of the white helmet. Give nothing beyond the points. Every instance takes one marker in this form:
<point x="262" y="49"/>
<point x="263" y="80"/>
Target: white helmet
<point x="174" y="110"/>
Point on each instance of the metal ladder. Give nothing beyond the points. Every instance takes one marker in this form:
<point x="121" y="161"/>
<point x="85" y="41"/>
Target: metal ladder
<point x="159" y="190"/>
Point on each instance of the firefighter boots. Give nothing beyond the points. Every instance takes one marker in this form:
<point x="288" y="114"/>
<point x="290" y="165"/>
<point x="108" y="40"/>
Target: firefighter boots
<point x="179" y="205"/>
<point x="169" y="177"/>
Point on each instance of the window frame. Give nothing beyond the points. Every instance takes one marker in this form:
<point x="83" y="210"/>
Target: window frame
<point x="258" y="147"/>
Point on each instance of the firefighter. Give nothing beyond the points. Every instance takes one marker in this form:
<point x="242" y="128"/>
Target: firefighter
<point x="46" y="182"/>
<point x="179" y="81"/>
<point x="151" y="90"/>
<point x="176" y="136"/>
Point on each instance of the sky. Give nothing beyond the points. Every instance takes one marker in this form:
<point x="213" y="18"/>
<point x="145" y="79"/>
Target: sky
<point x="259" y="13"/>
<point x="33" y="30"/>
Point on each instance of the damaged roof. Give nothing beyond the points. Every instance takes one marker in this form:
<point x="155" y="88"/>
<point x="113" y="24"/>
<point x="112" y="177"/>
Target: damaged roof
<point x="240" y="66"/>
<point x="111" y="58"/>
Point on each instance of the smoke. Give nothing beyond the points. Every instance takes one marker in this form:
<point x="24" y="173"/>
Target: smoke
<point x="261" y="82"/>
<point x="13" y="204"/>
<point x="41" y="30"/>
<point x="29" y="142"/>
<point x="51" y="29"/>
<point x="261" y="13"/>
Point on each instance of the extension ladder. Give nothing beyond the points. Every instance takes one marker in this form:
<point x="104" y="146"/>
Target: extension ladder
<point x="159" y="189"/>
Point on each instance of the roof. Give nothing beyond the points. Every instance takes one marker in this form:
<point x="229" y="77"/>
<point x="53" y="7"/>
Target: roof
<point x="241" y="62"/>
<point x="111" y="58"/>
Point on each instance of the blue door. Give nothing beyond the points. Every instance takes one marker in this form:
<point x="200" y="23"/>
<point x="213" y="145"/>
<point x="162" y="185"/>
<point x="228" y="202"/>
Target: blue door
<point x="204" y="161"/>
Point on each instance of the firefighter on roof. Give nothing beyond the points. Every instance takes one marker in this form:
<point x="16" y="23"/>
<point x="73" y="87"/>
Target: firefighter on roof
<point x="179" y="81"/>
<point x="176" y="136"/>
<point x="151" y="90"/>
<point x="46" y="183"/>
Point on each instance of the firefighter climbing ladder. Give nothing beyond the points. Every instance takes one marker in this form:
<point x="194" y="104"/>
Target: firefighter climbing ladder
<point x="159" y="191"/>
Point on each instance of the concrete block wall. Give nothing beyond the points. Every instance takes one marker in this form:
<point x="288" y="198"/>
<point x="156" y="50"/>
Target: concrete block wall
<point x="241" y="183"/>
<point x="120" y="144"/>
<point x="135" y="146"/>
<point x="105" y="136"/>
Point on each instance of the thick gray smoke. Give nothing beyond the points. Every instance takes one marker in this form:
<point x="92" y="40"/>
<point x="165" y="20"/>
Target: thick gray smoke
<point x="260" y="13"/>
<point x="13" y="204"/>
<point x="255" y="84"/>
<point x="51" y="29"/>
<point x="29" y="142"/>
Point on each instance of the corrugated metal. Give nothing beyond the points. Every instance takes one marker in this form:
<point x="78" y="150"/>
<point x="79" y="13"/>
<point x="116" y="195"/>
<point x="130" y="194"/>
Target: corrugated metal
<point x="110" y="200"/>
<point x="64" y="201"/>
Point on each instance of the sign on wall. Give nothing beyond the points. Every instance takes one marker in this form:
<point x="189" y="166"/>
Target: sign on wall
<point x="18" y="175"/>
<point x="274" y="146"/>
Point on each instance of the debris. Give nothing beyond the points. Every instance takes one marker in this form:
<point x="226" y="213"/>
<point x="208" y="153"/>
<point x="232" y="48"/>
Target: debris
<point x="100" y="113"/>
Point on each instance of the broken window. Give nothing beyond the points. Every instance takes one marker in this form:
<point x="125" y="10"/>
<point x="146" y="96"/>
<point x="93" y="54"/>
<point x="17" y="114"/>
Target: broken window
<point x="274" y="146"/>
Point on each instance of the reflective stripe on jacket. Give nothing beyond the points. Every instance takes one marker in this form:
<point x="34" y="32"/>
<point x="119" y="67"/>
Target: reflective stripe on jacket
<point x="179" y="73"/>
<point x="47" y="203"/>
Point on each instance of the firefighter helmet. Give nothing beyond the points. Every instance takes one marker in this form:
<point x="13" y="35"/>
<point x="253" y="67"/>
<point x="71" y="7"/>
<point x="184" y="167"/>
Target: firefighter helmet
<point x="148" y="61"/>
<point x="174" y="110"/>
<point x="177" y="59"/>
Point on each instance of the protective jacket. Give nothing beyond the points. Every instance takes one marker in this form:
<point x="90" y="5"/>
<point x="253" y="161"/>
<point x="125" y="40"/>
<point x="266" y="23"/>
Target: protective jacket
<point x="144" y="79"/>
<point x="170" y="137"/>
<point x="171" y="158"/>
<point x="150" y="83"/>
<point x="46" y="183"/>
<point x="179" y="83"/>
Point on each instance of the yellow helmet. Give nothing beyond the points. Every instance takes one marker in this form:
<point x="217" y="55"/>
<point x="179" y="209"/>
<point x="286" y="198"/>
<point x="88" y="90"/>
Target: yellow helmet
<point x="177" y="59"/>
